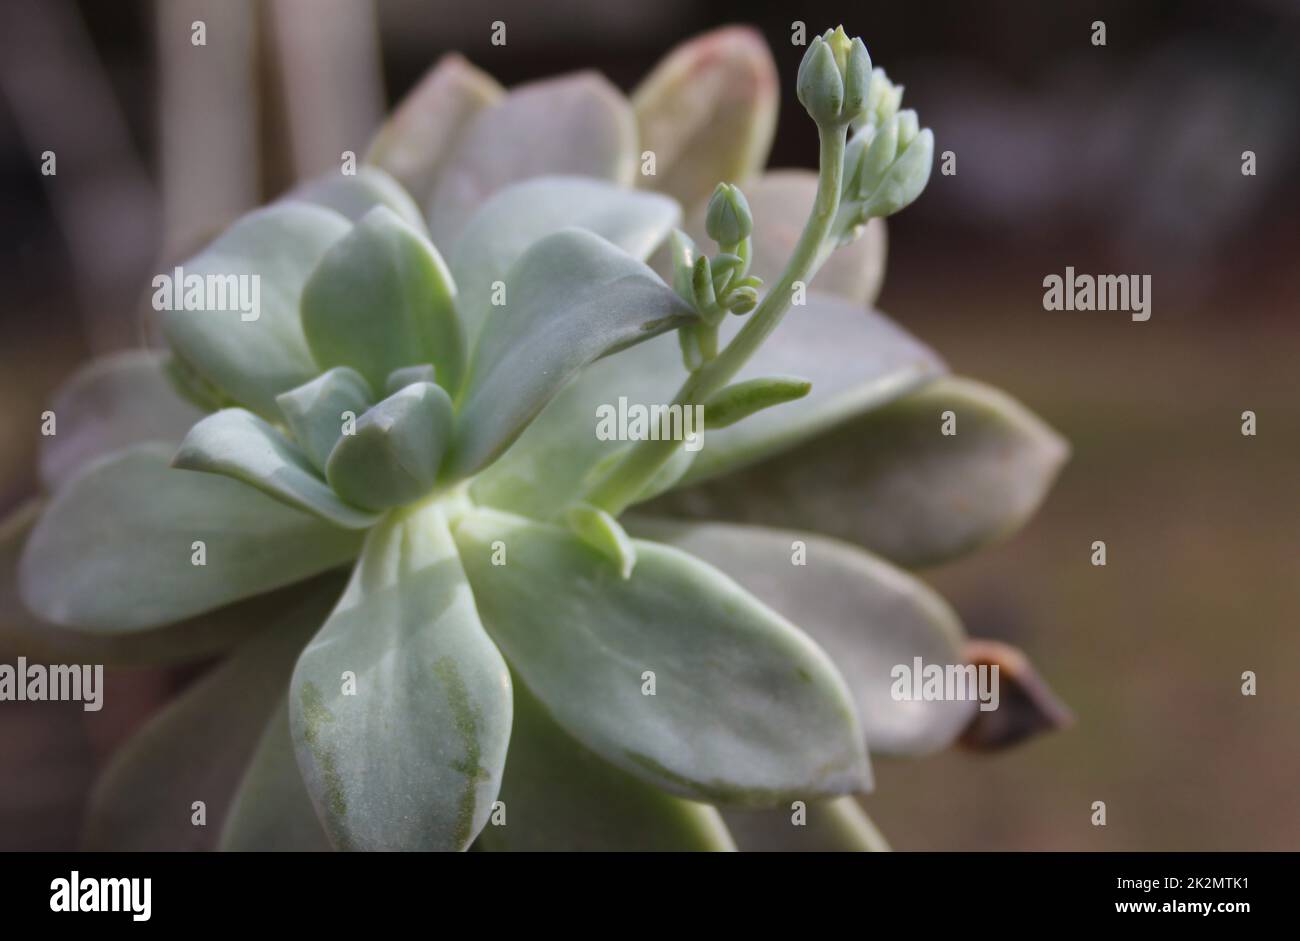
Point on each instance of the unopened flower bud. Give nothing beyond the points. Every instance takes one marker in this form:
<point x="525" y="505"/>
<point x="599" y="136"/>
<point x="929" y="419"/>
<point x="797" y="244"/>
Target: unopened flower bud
<point x="728" y="220"/>
<point x="905" y="178"/>
<point x="743" y="300"/>
<point x="857" y="80"/>
<point x="820" y="87"/>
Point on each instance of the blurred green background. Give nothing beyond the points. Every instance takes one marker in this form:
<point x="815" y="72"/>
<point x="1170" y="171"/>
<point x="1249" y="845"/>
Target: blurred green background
<point x="1124" y="158"/>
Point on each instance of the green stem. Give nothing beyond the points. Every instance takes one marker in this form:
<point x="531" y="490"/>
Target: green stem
<point x="634" y="472"/>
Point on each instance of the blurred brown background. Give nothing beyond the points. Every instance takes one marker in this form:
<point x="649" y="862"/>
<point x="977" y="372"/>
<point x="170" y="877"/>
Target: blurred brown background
<point x="1117" y="159"/>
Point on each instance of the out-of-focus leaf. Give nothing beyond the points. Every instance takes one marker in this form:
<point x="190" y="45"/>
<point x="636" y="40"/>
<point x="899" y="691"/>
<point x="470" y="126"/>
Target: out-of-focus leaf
<point x="356" y="195"/>
<point x="708" y="113"/>
<point x="198" y="747"/>
<point x="573" y="297"/>
<point x="255" y="360"/>
<point x="271" y="810"/>
<point x="381" y="299"/>
<point x="578" y="125"/>
<point x="559" y="796"/>
<point x="412" y="757"/>
<point x="115" y="550"/>
<point x="891" y="481"/>
<point x="506" y="225"/>
<point x="866" y="614"/>
<point x="1027" y="707"/>
<point x="22" y="633"/>
<point x="110" y="403"/>
<point x="238" y="444"/>
<point x="746" y="709"/>
<point x="833" y="826"/>
<point x="414" y="141"/>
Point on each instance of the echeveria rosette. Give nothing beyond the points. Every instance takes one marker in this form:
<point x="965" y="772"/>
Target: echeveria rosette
<point x="749" y="710"/>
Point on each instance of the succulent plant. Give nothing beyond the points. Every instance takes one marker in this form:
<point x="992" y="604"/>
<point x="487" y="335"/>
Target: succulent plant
<point x="449" y="613"/>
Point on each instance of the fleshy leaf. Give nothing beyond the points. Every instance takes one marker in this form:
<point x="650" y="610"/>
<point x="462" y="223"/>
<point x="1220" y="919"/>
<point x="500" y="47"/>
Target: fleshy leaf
<point x="603" y="533"/>
<point x="578" y="125"/>
<point x="197" y="748"/>
<point x="271" y="810"/>
<point x="561" y="797"/>
<point x="238" y="444"/>
<point x="399" y="379"/>
<point x="22" y="633"/>
<point x="747" y="710"/>
<point x="111" y="403"/>
<point x="393" y="455"/>
<point x="414" y="141"/>
<point x="708" y="112"/>
<point x="855" y="359"/>
<point x="116" y="549"/>
<point x="255" y="360"/>
<point x="780" y="202"/>
<point x="572" y="298"/>
<point x="866" y="614"/>
<point x="740" y="400"/>
<point x="355" y="196"/>
<point x="412" y="759"/>
<point x="890" y="480"/>
<point x="317" y="412"/>
<point x="833" y="826"/>
<point x="382" y="299"/>
<point x="507" y="224"/>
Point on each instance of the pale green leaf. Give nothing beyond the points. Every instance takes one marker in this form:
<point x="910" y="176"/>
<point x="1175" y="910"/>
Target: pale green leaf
<point x="747" y="709"/>
<point x="238" y="444"/>
<point x="573" y="297"/>
<point x="740" y="400"/>
<point x="255" y="360"/>
<point x="317" y="412"/>
<point x="603" y="533"/>
<point x="381" y="299"/>
<point x="413" y="758"/>
<point x="866" y="614"/>
<point x="355" y="195"/>
<point x="833" y="826"/>
<point x="558" y="796"/>
<point x="393" y="455"/>
<point x="24" y="634"/>
<point x="271" y="810"/>
<point x="115" y="550"/>
<point x="506" y="225"/>
<point x="110" y="403"/>
<point x="198" y="747"/>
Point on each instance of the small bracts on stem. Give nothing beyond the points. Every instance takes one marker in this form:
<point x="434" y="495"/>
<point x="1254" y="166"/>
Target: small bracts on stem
<point x="720" y="284"/>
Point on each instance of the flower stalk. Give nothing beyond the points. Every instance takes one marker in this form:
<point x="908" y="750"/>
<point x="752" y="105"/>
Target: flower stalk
<point x="630" y="477"/>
